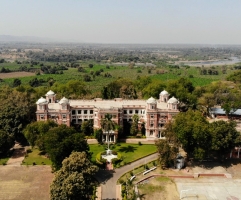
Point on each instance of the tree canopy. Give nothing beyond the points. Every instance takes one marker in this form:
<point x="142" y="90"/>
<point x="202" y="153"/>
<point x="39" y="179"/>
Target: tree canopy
<point x="74" y="180"/>
<point x="61" y="141"/>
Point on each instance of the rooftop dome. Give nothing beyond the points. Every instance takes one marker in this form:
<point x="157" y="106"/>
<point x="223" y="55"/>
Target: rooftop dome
<point x="164" y="92"/>
<point x="173" y="100"/>
<point x="64" y="101"/>
<point x="151" y="100"/>
<point x="50" y="92"/>
<point x="42" y="101"/>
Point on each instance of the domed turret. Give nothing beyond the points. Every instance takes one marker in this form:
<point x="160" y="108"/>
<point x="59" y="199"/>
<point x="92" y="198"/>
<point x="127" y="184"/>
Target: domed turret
<point x="64" y="101"/>
<point x="173" y="100"/>
<point x="151" y="100"/>
<point x="42" y="101"/>
<point x="50" y="96"/>
<point x="151" y="103"/>
<point x="172" y="103"/>
<point x="164" y="96"/>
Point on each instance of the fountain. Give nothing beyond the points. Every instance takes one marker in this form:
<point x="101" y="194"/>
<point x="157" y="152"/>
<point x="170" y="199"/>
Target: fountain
<point x="108" y="156"/>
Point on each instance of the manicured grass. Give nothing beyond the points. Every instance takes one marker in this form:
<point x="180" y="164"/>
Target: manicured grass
<point x="36" y="157"/>
<point x="4" y="160"/>
<point x="129" y="152"/>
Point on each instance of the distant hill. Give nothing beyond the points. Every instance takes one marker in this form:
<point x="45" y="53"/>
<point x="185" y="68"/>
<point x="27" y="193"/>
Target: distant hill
<point x="12" y="38"/>
<point x="33" y="39"/>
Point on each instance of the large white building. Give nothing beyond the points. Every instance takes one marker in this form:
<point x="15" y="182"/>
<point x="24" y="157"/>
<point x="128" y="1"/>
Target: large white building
<point x="154" y="113"/>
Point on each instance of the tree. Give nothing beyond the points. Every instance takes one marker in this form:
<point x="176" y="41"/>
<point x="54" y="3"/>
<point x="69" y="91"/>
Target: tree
<point x="107" y="125"/>
<point x="16" y="82"/>
<point x="35" y="131"/>
<point x="224" y="136"/>
<point x="134" y="126"/>
<point x="98" y="135"/>
<point x="75" y="179"/>
<point x="87" y="127"/>
<point x="183" y="90"/>
<point x="87" y="78"/>
<point x="6" y="142"/>
<point x="153" y="89"/>
<point x="17" y="109"/>
<point x="167" y="153"/>
<point x="192" y="130"/>
<point x="61" y="141"/>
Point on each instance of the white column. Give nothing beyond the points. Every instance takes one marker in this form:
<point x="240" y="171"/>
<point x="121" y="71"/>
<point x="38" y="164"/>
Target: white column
<point x="114" y="138"/>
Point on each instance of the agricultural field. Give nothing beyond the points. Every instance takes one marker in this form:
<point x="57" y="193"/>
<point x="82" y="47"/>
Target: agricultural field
<point x="97" y="82"/>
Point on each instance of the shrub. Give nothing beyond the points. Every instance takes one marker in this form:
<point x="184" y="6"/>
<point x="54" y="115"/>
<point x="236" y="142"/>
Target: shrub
<point x="114" y="152"/>
<point x="139" y="143"/>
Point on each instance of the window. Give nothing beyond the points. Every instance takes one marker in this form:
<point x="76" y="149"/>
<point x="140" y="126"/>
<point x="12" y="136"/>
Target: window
<point x="85" y="111"/>
<point x="152" y="116"/>
<point x="136" y="111"/>
<point x="130" y="111"/>
<point x="85" y="120"/>
<point x="73" y="121"/>
<point x="151" y="132"/>
<point x="79" y="112"/>
<point x="152" y="107"/>
<point x="161" y="125"/>
<point x="79" y="121"/>
<point x="41" y="107"/>
<point x="41" y="116"/>
<point x="91" y="111"/>
<point x="125" y="111"/>
<point x="63" y="116"/>
<point x="73" y="112"/>
<point x="152" y="125"/>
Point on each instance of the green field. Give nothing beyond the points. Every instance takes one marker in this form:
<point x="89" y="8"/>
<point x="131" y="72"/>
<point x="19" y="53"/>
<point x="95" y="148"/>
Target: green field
<point x="36" y="157"/>
<point x="130" y="152"/>
<point x="97" y="83"/>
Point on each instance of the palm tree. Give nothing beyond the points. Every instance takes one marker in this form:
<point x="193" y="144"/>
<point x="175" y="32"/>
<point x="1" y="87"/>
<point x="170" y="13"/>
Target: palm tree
<point x="107" y="125"/>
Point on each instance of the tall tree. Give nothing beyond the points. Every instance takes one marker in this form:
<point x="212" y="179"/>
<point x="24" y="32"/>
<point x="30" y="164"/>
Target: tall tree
<point x="224" y="136"/>
<point x="60" y="141"/>
<point x="134" y="125"/>
<point x="192" y="131"/>
<point x="6" y="142"/>
<point x="87" y="127"/>
<point x="35" y="131"/>
<point x="75" y="179"/>
<point x="108" y="125"/>
<point x="17" y="109"/>
<point x="167" y="153"/>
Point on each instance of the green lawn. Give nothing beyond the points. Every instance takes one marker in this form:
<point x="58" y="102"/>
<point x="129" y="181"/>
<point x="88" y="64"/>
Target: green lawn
<point x="36" y="157"/>
<point x="3" y="161"/>
<point x="129" y="152"/>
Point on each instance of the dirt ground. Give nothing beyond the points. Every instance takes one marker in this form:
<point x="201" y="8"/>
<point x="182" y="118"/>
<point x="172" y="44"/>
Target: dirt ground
<point x="15" y="74"/>
<point x="157" y="188"/>
<point x="25" y="182"/>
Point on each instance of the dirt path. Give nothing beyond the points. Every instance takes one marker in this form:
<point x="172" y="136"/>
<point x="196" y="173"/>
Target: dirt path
<point x="18" y="156"/>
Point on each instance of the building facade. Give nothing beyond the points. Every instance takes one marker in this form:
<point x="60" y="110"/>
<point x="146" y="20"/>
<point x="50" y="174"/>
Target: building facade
<point x="154" y="113"/>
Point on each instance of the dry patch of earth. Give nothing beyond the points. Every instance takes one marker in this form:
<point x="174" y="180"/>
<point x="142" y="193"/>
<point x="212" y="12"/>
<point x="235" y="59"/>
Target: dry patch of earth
<point x="25" y="182"/>
<point x="15" y="74"/>
<point x="159" y="188"/>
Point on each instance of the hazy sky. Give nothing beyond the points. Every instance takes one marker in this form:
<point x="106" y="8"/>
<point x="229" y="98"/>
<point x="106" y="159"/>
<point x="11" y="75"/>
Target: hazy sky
<point x="124" y="21"/>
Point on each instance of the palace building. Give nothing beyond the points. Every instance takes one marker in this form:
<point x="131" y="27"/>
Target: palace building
<point x="153" y="113"/>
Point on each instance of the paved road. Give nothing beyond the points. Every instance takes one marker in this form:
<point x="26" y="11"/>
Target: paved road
<point x="108" y="179"/>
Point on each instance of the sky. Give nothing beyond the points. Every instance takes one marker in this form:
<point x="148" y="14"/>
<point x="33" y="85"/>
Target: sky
<point x="124" y="21"/>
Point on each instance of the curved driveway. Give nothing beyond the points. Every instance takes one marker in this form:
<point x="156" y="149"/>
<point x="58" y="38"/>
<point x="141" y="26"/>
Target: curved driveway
<point x="108" y="179"/>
